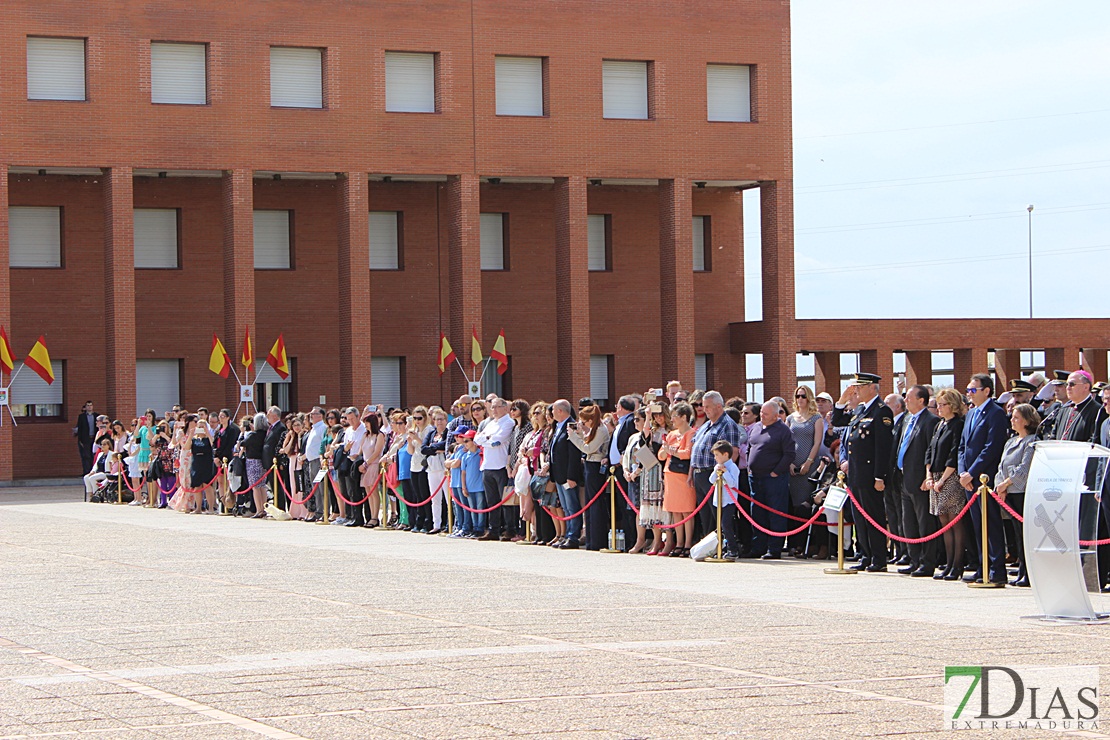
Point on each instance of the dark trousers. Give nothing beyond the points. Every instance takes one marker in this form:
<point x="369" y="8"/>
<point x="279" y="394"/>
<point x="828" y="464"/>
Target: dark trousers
<point x="1016" y="501"/>
<point x="872" y="541"/>
<point x="892" y="504"/>
<point x="731" y="542"/>
<point x="743" y="526"/>
<point x="351" y="486"/>
<point x="421" y="515"/>
<point x="918" y="522"/>
<point x="996" y="544"/>
<point x="626" y="517"/>
<point x="545" y="525"/>
<point x="85" y="450"/>
<point x="494" y="482"/>
<point x="707" y="518"/>
<point x="774" y="492"/>
<point x="597" y="517"/>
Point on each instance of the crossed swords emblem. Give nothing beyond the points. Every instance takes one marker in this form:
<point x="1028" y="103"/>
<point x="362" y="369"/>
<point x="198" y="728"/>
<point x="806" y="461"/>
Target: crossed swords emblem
<point x="1048" y="524"/>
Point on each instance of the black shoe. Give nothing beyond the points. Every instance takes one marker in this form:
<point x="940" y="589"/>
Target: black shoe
<point x="858" y="566"/>
<point x="876" y="568"/>
<point x="853" y="558"/>
<point x="904" y="560"/>
<point x="1022" y="582"/>
<point x="973" y="577"/>
<point x="772" y="556"/>
<point x="908" y="570"/>
<point x="570" y="544"/>
<point x="942" y="575"/>
<point x="923" y="572"/>
<point x="352" y="523"/>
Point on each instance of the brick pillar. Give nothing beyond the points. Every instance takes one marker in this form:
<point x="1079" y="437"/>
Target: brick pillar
<point x="238" y="207"/>
<point x="919" y="368"/>
<point x="119" y="291"/>
<point x="1007" y="367"/>
<point x="676" y="283"/>
<point x="826" y="370"/>
<point x="1094" y="362"/>
<point x="777" y="218"/>
<point x="5" y="320"/>
<point x="464" y="266"/>
<point x="879" y="361"/>
<point x="1060" y="358"/>
<point x="572" y="281"/>
<point x="354" y="283"/>
<point x="967" y="362"/>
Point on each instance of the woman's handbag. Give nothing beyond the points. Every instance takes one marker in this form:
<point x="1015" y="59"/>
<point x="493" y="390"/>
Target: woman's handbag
<point x="538" y="485"/>
<point x="678" y="465"/>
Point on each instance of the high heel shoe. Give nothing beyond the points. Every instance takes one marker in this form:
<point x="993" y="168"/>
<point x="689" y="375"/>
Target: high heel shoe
<point x="940" y="576"/>
<point x="955" y="574"/>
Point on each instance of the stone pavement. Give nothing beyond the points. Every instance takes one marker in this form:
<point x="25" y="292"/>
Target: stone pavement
<point x="123" y="622"/>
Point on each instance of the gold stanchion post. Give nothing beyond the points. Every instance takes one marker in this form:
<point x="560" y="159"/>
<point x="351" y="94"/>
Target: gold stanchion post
<point x="119" y="478"/>
<point x="450" y="507"/>
<point x="274" y="469"/>
<point x="383" y="498"/>
<point x="984" y="562"/>
<point x="612" y="515"/>
<point x="326" y="514"/>
<point x="840" y="570"/>
<point x="718" y="491"/>
<point x="527" y="534"/>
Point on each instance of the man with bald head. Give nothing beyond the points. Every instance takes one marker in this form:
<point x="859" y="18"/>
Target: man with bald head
<point x="770" y="454"/>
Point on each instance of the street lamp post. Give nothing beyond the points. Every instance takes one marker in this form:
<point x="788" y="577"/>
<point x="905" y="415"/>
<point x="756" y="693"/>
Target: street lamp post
<point x="1029" y="210"/>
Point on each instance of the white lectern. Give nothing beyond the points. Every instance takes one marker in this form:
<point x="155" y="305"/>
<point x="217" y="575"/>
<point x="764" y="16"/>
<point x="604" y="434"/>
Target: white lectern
<point x="1060" y="510"/>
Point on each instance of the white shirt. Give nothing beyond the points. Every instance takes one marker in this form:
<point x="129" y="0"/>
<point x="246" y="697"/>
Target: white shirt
<point x="494" y="441"/>
<point x="354" y="435"/>
<point x="315" y="437"/>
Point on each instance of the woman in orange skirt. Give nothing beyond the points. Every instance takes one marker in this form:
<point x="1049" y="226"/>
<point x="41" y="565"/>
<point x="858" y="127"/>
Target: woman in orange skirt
<point x="679" y="497"/>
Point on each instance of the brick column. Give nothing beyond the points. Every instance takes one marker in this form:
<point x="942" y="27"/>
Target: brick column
<point x="1007" y="367"/>
<point x="119" y="291"/>
<point x="5" y="319"/>
<point x="238" y="207"/>
<point x="879" y="361"/>
<point x="777" y="218"/>
<point x="572" y="282"/>
<point x="967" y="362"/>
<point x="464" y="265"/>
<point x="1094" y="362"/>
<point x="1060" y="358"/>
<point x="919" y="368"/>
<point x="826" y="371"/>
<point x="676" y="280"/>
<point x="354" y="283"/>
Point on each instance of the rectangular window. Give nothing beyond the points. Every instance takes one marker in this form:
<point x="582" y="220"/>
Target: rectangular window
<point x="597" y="233"/>
<point x="728" y="92"/>
<point x="31" y="397"/>
<point x="519" y="86"/>
<point x="272" y="242"/>
<point x="701" y="371"/>
<point x="156" y="238"/>
<point x="410" y="82"/>
<point x="703" y="254"/>
<point x="624" y="89"/>
<point x="493" y="227"/>
<point x="385" y="240"/>
<point x="178" y="73"/>
<point x="296" y="77"/>
<point x="601" y="370"/>
<point x="157" y="385"/>
<point x="55" y="69"/>
<point x="34" y="236"/>
<point x="753" y="365"/>
<point x="385" y="381"/>
<point x="270" y="389"/>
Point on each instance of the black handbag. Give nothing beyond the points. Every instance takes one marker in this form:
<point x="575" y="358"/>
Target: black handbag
<point x="340" y="462"/>
<point x="678" y="465"/>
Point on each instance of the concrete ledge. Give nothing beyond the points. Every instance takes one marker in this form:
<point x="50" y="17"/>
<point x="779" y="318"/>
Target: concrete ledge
<point x="40" y="483"/>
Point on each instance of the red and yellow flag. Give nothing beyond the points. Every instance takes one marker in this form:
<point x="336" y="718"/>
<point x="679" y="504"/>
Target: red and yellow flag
<point x="7" y="359"/>
<point x="498" y="353"/>
<point x="248" y="352"/>
<point x="38" y="359"/>
<point x="218" y="361"/>
<point x="475" y="348"/>
<point x="277" y="359"/>
<point x="446" y="354"/>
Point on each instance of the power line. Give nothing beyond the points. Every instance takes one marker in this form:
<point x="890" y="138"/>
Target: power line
<point x="952" y="177"/>
<point x="941" y="220"/>
<point x="952" y="125"/>
<point x="936" y="262"/>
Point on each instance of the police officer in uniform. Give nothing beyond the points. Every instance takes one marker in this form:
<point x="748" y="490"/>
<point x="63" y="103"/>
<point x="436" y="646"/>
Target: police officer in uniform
<point x="869" y="441"/>
<point x="1051" y="411"/>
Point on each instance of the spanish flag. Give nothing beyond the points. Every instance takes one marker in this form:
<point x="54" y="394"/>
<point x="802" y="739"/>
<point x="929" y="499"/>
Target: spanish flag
<point x="475" y="348"/>
<point x="7" y="360"/>
<point x="498" y="353"/>
<point x="248" y="353"/>
<point x="38" y="359"/>
<point x="446" y="354"/>
<point x="218" y="361"/>
<point x="277" y="359"/>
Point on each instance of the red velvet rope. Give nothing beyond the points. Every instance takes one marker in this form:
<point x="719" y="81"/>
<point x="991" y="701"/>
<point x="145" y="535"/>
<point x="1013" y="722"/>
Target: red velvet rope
<point x="580" y="511"/>
<point x="913" y="540"/>
<point x="483" y="511"/>
<point x="1020" y="518"/>
<point x="339" y="491"/>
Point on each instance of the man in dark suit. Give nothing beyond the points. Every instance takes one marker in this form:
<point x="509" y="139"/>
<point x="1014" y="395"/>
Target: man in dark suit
<point x="1079" y="419"/>
<point x="565" y="469"/>
<point x="915" y="433"/>
<point x="84" y="430"/>
<point x="985" y="432"/>
<point x="869" y="438"/>
<point x="275" y="435"/>
<point x="617" y="444"/>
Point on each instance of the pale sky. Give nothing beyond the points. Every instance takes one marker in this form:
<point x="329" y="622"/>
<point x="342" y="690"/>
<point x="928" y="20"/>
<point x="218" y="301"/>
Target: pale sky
<point x="922" y="131"/>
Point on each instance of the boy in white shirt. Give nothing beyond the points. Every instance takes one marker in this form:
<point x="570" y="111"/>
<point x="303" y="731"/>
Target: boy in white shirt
<point x="726" y="469"/>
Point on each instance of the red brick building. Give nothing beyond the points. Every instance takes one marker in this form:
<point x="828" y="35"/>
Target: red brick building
<point x="572" y="172"/>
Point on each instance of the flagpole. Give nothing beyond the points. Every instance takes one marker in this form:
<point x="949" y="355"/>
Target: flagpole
<point x="485" y="366"/>
<point x="467" y="377"/>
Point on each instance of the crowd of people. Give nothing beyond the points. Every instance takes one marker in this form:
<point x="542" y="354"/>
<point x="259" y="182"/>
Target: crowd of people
<point x="659" y="465"/>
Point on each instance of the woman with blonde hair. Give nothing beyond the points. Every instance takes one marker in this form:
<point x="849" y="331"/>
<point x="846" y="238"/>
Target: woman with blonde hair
<point x="808" y="429"/>
<point x="592" y="438"/>
<point x="946" y="495"/>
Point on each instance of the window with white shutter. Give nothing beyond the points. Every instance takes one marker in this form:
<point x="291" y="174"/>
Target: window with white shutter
<point x="31" y="397"/>
<point x="728" y="92"/>
<point x="701" y="372"/>
<point x="178" y="73"/>
<point x="157" y="385"/>
<point x="271" y="240"/>
<point x="156" y="238"/>
<point x="624" y="89"/>
<point x="493" y="241"/>
<point x="597" y="233"/>
<point x="296" y="77"/>
<point x="385" y="240"/>
<point x="267" y="374"/>
<point x="55" y="68"/>
<point x="34" y="236"/>
<point x="702" y="254"/>
<point x="385" y="381"/>
<point x="599" y="378"/>
<point x="410" y="82"/>
<point x="519" y="86"/>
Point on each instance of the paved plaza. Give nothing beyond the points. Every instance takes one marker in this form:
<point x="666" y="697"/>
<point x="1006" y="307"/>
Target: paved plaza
<point x="123" y="622"/>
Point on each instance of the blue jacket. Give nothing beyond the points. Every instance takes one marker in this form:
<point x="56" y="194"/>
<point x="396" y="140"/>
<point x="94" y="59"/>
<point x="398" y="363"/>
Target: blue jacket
<point x="982" y="441"/>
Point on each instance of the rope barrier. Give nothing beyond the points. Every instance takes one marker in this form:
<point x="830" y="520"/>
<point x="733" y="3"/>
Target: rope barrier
<point x="288" y="495"/>
<point x="771" y="509"/>
<point x="1002" y="502"/>
<point x="621" y="489"/>
<point x="572" y="516"/>
<point x="771" y="532"/>
<point x="339" y="491"/>
<point x="689" y="516"/>
<point x="142" y="482"/>
<point x="485" y="511"/>
<point x="912" y="540"/>
<point x="427" y="500"/>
